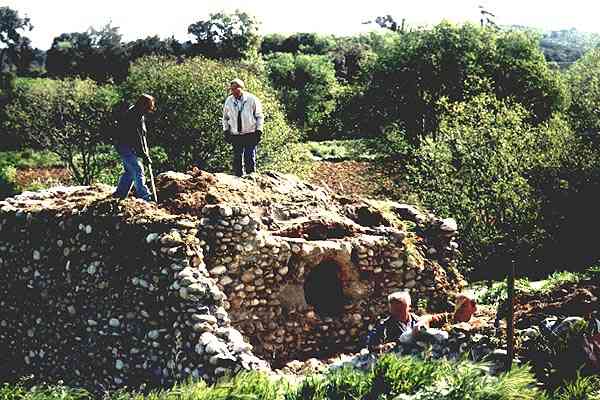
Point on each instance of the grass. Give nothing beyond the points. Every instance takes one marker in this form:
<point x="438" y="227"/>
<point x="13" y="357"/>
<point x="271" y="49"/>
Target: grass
<point x="582" y="388"/>
<point x="391" y="378"/>
<point x="498" y="290"/>
<point x="29" y="159"/>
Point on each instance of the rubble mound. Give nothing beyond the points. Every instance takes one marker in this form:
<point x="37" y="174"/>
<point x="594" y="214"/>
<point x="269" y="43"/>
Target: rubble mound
<point x="102" y="293"/>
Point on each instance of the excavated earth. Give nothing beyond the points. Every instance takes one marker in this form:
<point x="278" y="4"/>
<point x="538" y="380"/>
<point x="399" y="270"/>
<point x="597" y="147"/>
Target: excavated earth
<point x="571" y="299"/>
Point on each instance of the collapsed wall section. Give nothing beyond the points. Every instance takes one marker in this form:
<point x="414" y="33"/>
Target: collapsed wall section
<point x="102" y="296"/>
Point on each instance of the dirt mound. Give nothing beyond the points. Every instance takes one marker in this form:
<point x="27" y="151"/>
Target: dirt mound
<point x="283" y="203"/>
<point x="568" y="300"/>
<point x="185" y="193"/>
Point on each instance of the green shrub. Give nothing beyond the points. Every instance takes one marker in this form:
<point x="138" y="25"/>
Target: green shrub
<point x="557" y="358"/>
<point x="187" y="124"/>
<point x="30" y="158"/>
<point x="65" y="117"/>
<point x="423" y="66"/>
<point x="583" y="82"/>
<point x="8" y="186"/>
<point x="307" y="85"/>
<point x="498" y="291"/>
<point x="581" y="388"/>
<point x="478" y="169"/>
<point x="559" y="278"/>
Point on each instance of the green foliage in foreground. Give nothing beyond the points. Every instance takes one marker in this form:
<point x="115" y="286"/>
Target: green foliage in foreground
<point x="392" y="377"/>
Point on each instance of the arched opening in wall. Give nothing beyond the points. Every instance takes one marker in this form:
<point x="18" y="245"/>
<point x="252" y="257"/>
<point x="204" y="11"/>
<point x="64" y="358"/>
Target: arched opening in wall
<point x="323" y="289"/>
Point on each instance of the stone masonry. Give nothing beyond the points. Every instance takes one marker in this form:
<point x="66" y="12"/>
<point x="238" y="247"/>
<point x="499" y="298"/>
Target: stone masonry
<point x="105" y="294"/>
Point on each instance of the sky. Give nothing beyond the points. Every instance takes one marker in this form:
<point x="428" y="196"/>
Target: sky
<point x="138" y="19"/>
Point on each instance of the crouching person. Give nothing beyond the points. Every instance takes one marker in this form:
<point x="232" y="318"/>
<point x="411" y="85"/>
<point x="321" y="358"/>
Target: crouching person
<point x="130" y="143"/>
<point x="399" y="321"/>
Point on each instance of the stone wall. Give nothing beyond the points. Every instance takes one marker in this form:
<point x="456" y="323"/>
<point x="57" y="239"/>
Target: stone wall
<point x="102" y="299"/>
<point x="103" y="293"/>
<point x="296" y="298"/>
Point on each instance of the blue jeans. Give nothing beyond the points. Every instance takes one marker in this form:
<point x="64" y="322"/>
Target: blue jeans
<point x="133" y="175"/>
<point x="244" y="158"/>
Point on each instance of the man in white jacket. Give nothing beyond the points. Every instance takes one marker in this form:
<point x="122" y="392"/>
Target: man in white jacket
<point x="242" y="126"/>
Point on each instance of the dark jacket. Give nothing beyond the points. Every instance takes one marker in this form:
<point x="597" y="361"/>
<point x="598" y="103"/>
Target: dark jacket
<point x="131" y="131"/>
<point x="389" y="330"/>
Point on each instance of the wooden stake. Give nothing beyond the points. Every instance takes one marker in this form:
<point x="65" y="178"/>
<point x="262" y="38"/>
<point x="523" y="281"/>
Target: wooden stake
<point x="510" y="323"/>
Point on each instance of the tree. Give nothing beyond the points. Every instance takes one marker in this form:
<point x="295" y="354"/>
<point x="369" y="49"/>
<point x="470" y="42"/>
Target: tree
<point x="307" y="85"/>
<point x="583" y="82"/>
<point x="66" y="117"/>
<point x="484" y="167"/>
<point x="95" y="54"/>
<point x="68" y="54"/>
<point x="11" y="26"/>
<point x="458" y="62"/>
<point x="272" y="43"/>
<point x="153" y="46"/>
<point x="226" y="35"/>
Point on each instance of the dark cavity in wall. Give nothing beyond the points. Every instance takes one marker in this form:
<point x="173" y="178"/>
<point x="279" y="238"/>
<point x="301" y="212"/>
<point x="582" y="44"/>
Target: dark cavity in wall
<point x="323" y="289"/>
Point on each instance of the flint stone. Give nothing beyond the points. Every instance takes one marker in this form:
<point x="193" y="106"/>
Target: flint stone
<point x="449" y="225"/>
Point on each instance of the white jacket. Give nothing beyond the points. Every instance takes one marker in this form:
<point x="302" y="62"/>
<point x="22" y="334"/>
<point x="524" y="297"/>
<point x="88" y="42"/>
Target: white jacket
<point x="252" y="115"/>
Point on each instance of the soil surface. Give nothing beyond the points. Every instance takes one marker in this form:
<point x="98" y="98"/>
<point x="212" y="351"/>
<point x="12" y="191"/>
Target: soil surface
<point x="26" y="177"/>
<point x="360" y="178"/>
<point x="568" y="300"/>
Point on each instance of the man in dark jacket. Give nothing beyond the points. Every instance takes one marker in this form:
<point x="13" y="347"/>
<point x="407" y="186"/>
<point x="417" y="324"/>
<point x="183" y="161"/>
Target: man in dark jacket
<point x="401" y="320"/>
<point x="130" y="143"/>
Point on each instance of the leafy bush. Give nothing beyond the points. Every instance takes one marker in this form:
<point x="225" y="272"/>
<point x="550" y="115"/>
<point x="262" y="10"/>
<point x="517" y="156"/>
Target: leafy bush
<point x="8" y="186"/>
<point x="458" y="62"/>
<point x="187" y="124"/>
<point x="478" y="169"/>
<point x="307" y="85"/>
<point x="498" y="291"/>
<point x="558" y="357"/>
<point x="29" y="158"/>
<point x="583" y="82"/>
<point x="581" y="388"/>
<point x="64" y="117"/>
